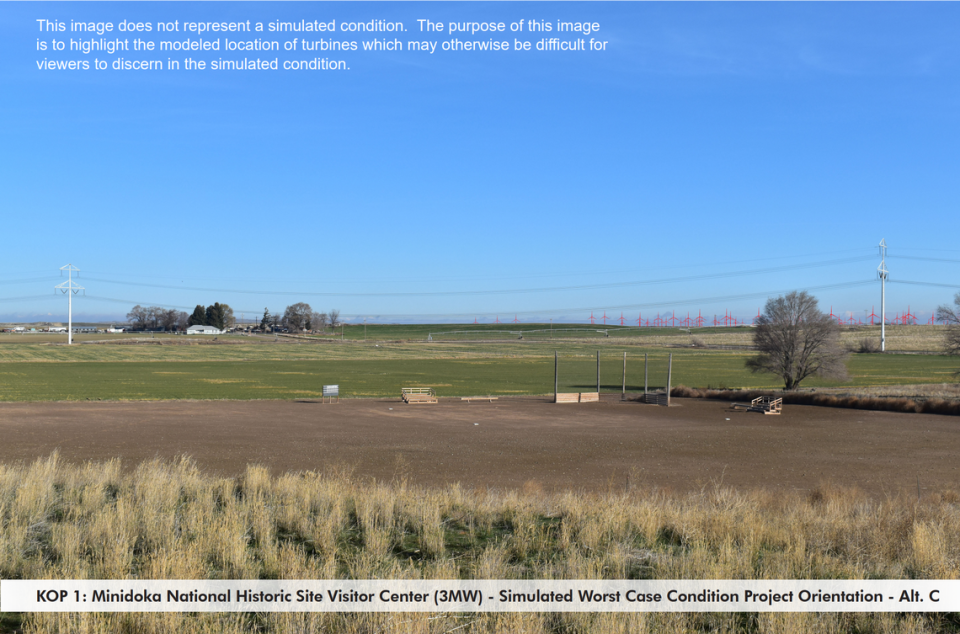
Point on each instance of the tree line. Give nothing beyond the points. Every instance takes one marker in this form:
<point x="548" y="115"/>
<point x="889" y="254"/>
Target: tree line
<point x="299" y="317"/>
<point x="158" y="318"/>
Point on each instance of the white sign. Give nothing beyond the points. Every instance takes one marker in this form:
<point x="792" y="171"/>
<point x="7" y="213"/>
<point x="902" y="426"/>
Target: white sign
<point x="583" y="595"/>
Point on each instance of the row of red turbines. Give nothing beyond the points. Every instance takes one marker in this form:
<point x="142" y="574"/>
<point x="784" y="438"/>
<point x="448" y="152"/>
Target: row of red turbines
<point x="664" y="321"/>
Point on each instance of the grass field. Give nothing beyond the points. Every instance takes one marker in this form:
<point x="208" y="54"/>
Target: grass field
<point x="899" y="338"/>
<point x="292" y="371"/>
<point x="172" y="521"/>
<point x="37" y="367"/>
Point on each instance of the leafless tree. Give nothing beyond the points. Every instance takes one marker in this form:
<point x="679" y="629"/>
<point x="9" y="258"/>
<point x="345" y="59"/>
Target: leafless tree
<point x="951" y="317"/>
<point x="183" y="320"/>
<point x="137" y="317"/>
<point x="297" y="316"/>
<point x="168" y="318"/>
<point x="334" y="317"/>
<point x="318" y="321"/>
<point x="796" y="340"/>
<point x="153" y="316"/>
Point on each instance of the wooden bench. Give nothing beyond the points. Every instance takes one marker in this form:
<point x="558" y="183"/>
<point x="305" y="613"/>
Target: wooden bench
<point x="478" y="398"/>
<point x="414" y="395"/>
<point x="589" y="397"/>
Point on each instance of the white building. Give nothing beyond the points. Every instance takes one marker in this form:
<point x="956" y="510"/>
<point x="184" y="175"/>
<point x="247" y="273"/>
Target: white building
<point x="203" y="330"/>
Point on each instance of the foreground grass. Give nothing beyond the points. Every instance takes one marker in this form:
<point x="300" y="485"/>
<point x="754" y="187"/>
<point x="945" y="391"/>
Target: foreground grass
<point x="166" y="520"/>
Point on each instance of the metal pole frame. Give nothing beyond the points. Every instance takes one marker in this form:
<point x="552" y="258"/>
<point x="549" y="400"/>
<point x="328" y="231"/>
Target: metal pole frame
<point x="556" y="374"/>
<point x="669" y="373"/>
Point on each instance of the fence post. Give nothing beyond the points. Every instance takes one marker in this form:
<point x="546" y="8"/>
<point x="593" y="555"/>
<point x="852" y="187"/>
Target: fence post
<point x="623" y="392"/>
<point x="556" y="367"/>
<point x="644" y="377"/>
<point x="669" y="372"/>
<point x="598" y="374"/>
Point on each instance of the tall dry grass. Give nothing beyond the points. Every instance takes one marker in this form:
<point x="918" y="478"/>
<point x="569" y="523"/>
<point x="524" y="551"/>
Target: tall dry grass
<point x="914" y="405"/>
<point x="169" y="520"/>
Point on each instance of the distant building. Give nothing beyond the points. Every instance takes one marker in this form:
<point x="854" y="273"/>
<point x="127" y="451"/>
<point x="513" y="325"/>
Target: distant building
<point x="84" y="329"/>
<point x="58" y="329"/>
<point x="203" y="330"/>
<point x="114" y="329"/>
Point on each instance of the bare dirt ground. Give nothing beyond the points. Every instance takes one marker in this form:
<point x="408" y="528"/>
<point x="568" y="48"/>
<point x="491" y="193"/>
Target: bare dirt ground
<point x="510" y="443"/>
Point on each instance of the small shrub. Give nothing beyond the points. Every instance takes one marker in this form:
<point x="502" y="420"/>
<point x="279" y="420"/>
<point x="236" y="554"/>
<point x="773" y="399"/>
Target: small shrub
<point x="868" y="345"/>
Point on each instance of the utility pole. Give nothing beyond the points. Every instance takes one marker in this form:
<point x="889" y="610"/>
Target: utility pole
<point x="883" y="272"/>
<point x="364" y="328"/>
<point x="70" y="289"/>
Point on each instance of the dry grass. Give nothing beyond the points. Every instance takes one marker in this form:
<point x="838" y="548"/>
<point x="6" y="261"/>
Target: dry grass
<point x="893" y="401"/>
<point x="166" y="520"/>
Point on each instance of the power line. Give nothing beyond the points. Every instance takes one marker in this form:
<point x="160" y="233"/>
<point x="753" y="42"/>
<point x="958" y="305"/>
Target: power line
<point x="681" y="302"/>
<point x="545" y="289"/>
<point x="917" y="257"/>
<point x="925" y="283"/>
<point x="534" y="275"/>
<point x="131" y="303"/>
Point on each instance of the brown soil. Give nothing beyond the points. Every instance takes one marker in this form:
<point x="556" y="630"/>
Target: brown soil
<point x="510" y="443"/>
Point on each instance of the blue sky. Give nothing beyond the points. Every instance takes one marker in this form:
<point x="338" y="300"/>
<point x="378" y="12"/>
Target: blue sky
<point x="735" y="150"/>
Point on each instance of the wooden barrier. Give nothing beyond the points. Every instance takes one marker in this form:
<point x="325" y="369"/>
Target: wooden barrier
<point x="413" y="395"/>
<point x="578" y="397"/>
<point x="763" y="405"/>
<point x="656" y="398"/>
<point x="478" y="398"/>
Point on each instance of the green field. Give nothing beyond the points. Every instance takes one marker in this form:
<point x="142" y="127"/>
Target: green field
<point x="246" y="368"/>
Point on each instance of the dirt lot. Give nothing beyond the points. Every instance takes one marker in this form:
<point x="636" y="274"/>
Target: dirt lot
<point x="511" y="443"/>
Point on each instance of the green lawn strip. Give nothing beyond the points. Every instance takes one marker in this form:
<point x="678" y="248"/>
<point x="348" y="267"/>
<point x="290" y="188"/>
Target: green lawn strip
<point x="291" y="379"/>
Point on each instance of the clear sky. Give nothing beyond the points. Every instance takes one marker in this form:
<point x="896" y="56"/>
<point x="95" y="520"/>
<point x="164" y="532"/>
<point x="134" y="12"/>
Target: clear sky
<point x="712" y="156"/>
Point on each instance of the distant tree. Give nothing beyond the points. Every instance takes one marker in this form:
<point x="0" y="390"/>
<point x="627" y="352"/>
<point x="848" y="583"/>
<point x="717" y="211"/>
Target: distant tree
<point x="216" y="315"/>
<point x="229" y="320"/>
<point x="265" y="322"/>
<point x="334" y="317"/>
<point x="297" y="316"/>
<point x="318" y="321"/>
<point x="168" y="318"/>
<point x="949" y="316"/>
<point x="137" y="317"/>
<point x="199" y="316"/>
<point x="796" y="340"/>
<point x="183" y="320"/>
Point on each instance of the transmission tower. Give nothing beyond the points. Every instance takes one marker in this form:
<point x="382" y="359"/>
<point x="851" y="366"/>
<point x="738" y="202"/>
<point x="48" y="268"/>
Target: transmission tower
<point x="70" y="289"/>
<point x="882" y="272"/>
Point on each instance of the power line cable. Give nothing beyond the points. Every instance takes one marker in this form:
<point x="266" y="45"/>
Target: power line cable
<point x="545" y="289"/>
<point x="460" y="278"/>
<point x="682" y="302"/>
